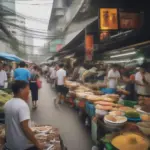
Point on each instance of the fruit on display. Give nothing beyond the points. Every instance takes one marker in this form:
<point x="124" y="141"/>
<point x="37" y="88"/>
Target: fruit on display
<point x="130" y="141"/>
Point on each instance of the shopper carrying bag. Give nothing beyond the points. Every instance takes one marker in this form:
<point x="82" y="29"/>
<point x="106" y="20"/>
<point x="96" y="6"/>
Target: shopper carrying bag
<point x="35" y="84"/>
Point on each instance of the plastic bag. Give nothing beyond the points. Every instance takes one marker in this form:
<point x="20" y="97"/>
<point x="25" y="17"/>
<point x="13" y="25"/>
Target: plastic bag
<point x="5" y="85"/>
<point x="39" y="84"/>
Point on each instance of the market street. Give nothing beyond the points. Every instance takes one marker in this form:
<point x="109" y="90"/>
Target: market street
<point x="72" y="130"/>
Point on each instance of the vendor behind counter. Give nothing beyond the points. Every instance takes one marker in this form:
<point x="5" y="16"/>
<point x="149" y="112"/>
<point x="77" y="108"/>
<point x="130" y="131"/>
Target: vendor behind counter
<point x="129" y="92"/>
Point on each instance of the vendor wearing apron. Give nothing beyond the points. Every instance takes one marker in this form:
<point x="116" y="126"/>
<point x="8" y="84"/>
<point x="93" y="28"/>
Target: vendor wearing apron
<point x="142" y="80"/>
<point x="113" y="77"/>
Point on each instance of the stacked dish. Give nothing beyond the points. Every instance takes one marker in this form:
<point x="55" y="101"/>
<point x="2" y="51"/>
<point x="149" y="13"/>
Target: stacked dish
<point x="115" y="121"/>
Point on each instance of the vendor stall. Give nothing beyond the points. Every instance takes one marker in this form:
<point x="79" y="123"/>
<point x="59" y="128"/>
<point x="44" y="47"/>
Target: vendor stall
<point x="110" y="115"/>
<point x="44" y="134"/>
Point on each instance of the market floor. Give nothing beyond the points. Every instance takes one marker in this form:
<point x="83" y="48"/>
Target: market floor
<point x="72" y="129"/>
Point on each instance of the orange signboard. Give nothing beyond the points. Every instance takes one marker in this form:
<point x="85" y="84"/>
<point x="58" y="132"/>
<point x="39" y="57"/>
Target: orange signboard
<point x="108" y="19"/>
<point x="89" y="46"/>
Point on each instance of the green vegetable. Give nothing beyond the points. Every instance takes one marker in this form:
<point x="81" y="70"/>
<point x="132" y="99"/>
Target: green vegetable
<point x="132" y="114"/>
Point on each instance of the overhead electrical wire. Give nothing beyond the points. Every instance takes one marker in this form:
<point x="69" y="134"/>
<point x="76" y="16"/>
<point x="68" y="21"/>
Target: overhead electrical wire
<point x="37" y="4"/>
<point x="7" y="10"/>
<point x="29" y="31"/>
<point x="33" y="34"/>
<point x="25" y="29"/>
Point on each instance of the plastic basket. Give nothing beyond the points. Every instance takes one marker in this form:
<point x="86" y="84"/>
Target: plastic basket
<point x="130" y="103"/>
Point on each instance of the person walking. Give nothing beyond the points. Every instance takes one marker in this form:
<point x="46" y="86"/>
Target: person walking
<point x="34" y="86"/>
<point x="3" y="77"/>
<point x="22" y="73"/>
<point x="60" y="82"/>
<point x="17" y="117"/>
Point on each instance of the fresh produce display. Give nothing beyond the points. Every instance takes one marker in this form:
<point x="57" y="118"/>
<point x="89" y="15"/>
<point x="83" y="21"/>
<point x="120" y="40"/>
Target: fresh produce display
<point x="130" y="141"/>
<point x="117" y="117"/>
<point x="4" y="97"/>
<point x="132" y="114"/>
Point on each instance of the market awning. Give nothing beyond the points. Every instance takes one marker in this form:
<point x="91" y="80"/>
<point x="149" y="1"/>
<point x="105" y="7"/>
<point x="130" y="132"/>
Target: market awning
<point x="10" y="57"/>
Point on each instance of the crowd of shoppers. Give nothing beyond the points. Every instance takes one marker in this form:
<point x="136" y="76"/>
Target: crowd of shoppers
<point x="135" y="81"/>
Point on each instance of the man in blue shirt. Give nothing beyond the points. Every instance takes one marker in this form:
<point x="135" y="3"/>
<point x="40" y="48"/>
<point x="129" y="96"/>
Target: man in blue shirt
<point x="22" y="73"/>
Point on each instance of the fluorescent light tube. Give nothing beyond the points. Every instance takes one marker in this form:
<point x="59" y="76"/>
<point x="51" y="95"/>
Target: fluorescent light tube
<point x="125" y="54"/>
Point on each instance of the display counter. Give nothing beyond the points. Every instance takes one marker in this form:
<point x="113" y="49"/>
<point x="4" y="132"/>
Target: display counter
<point x="109" y="115"/>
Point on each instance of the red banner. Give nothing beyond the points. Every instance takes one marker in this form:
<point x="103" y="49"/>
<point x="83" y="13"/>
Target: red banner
<point x="89" y="46"/>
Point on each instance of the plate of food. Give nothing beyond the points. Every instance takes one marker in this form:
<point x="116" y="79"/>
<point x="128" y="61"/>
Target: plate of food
<point x="115" y="120"/>
<point x="116" y="113"/>
<point x="142" y="110"/>
<point x="126" y="109"/>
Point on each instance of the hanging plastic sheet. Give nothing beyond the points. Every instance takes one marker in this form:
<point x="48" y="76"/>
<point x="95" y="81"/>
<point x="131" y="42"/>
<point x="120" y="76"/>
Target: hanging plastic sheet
<point x="10" y="57"/>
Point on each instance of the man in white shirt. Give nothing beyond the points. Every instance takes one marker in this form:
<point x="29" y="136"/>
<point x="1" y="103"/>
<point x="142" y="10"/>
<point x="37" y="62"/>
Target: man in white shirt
<point x="113" y="77"/>
<point x="60" y="81"/>
<point x="142" y="80"/>
<point x="19" y="136"/>
<point x="3" y="76"/>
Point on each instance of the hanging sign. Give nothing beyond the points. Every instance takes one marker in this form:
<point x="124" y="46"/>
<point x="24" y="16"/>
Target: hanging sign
<point x="89" y="46"/>
<point x="58" y="47"/>
<point x="130" y="20"/>
<point x="108" y="19"/>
